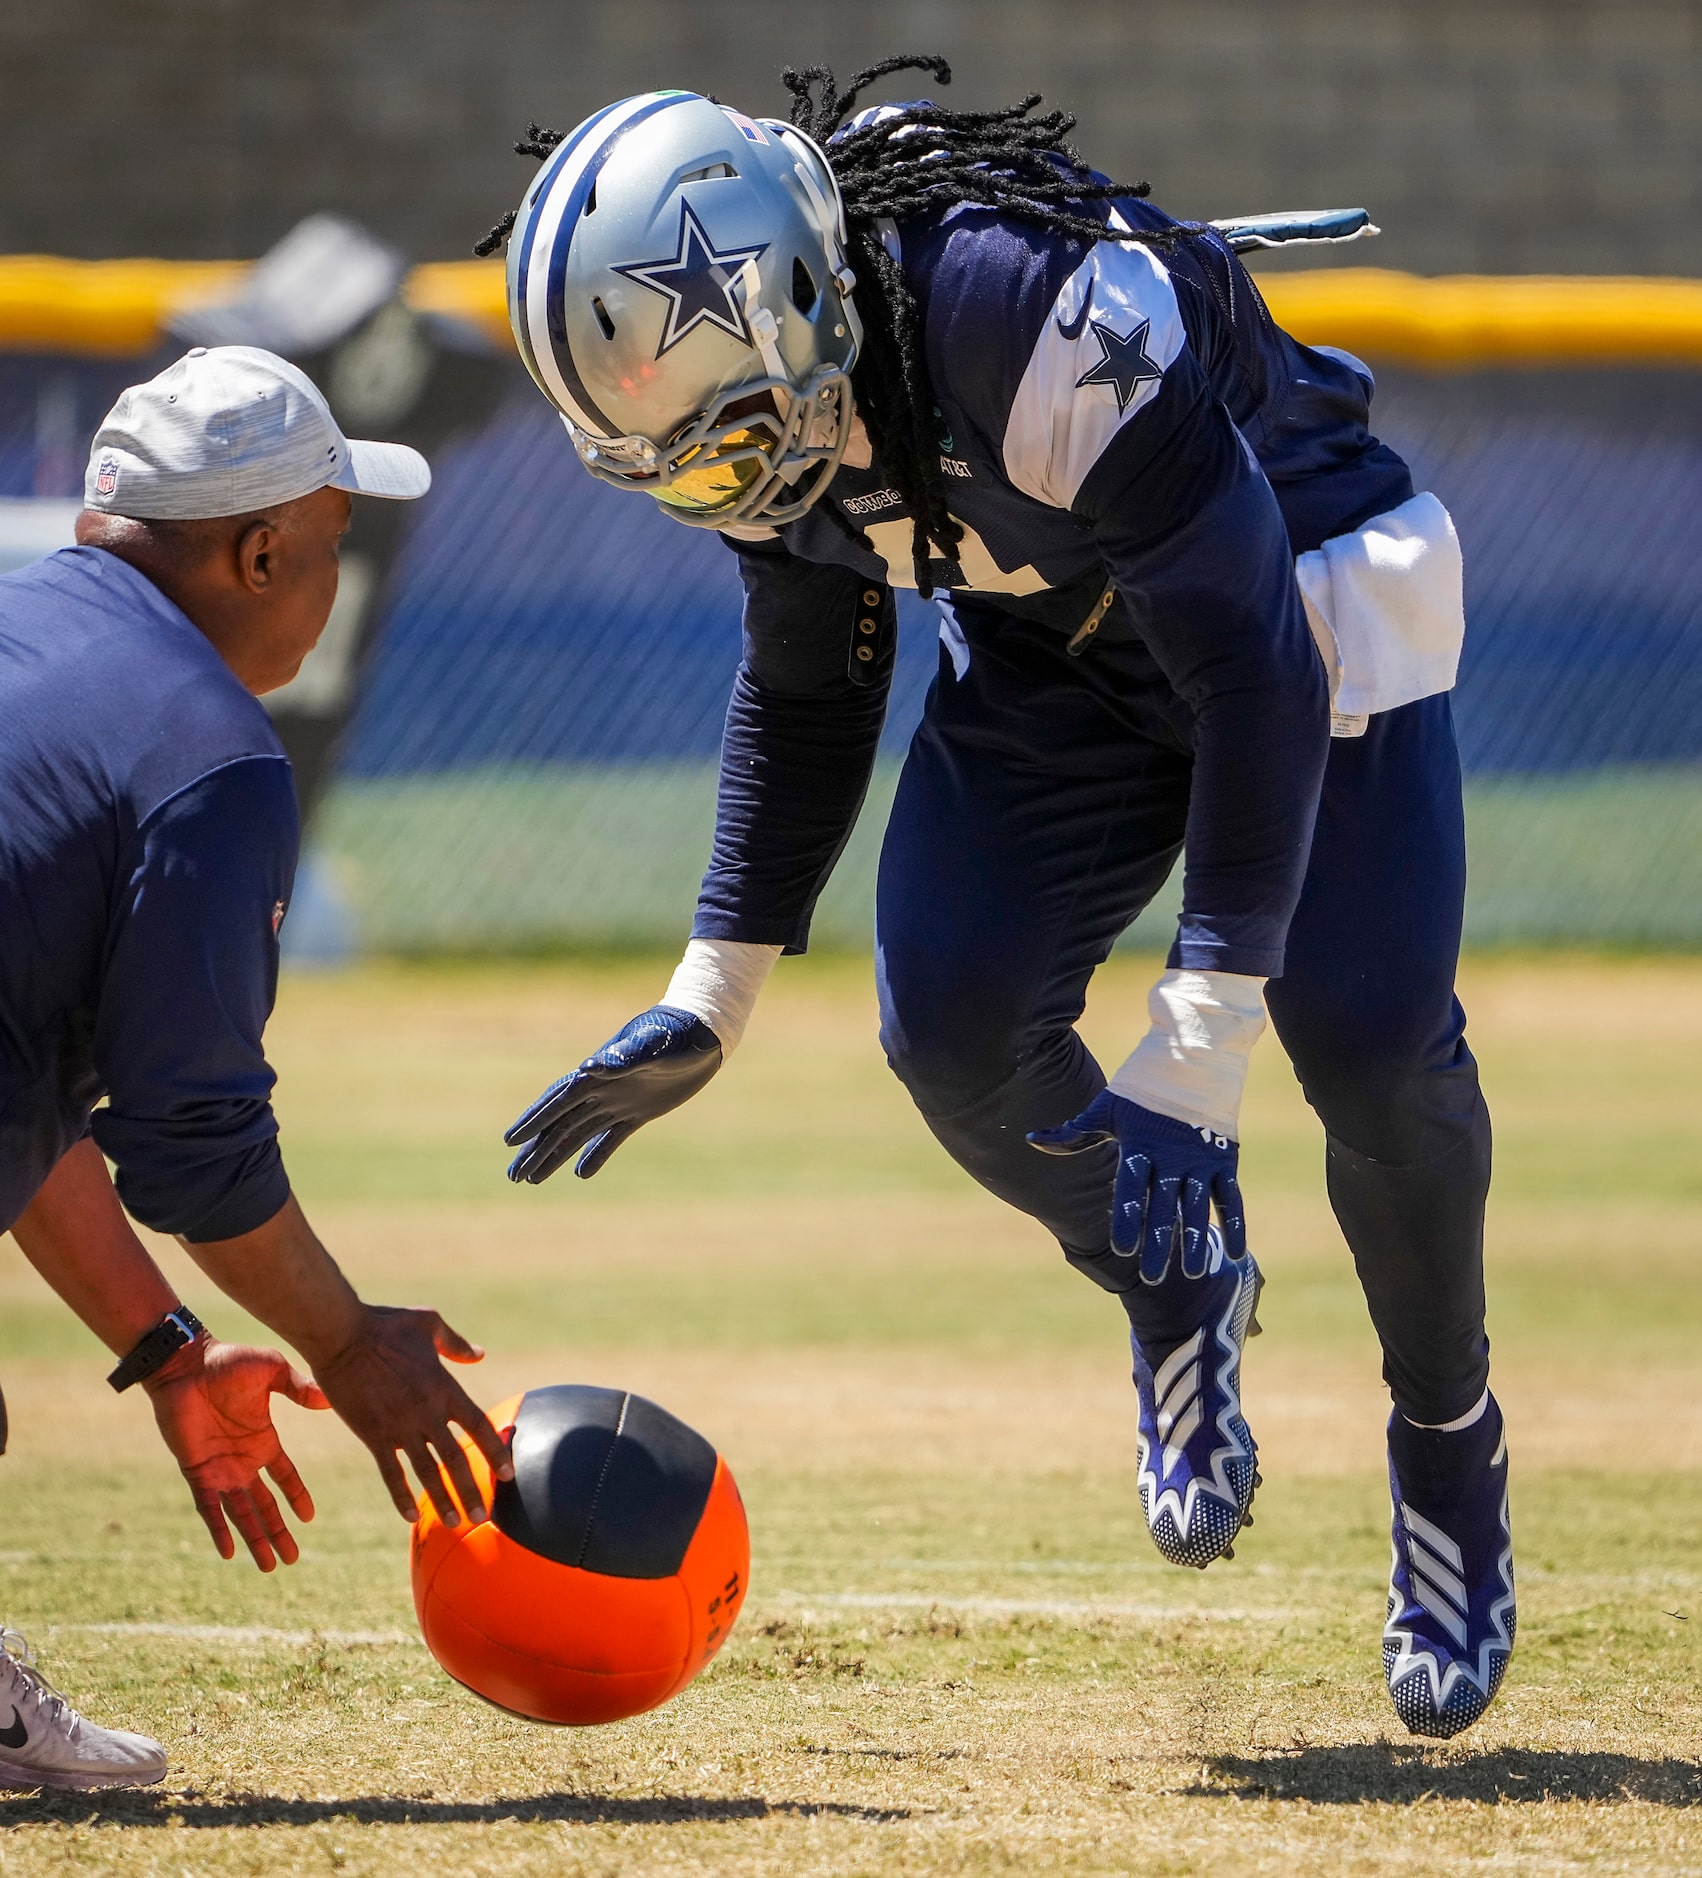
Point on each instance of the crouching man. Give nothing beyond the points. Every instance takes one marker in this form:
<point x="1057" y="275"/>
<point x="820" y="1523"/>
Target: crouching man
<point x="148" y="838"/>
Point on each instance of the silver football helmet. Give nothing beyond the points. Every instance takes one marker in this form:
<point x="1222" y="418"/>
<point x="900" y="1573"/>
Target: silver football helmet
<point x="678" y="287"/>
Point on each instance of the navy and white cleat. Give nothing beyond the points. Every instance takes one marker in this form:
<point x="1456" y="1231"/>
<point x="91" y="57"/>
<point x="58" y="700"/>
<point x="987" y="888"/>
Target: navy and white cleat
<point x="1451" y="1620"/>
<point x="1197" y="1462"/>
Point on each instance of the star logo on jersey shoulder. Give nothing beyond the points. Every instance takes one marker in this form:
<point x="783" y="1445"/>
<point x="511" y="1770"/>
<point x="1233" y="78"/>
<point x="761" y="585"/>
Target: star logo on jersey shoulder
<point x="1124" y="364"/>
<point x="697" y="281"/>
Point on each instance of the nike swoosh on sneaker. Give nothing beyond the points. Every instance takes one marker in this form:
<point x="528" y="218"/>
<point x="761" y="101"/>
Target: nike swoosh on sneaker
<point x="1072" y="330"/>
<point x="17" y="1735"/>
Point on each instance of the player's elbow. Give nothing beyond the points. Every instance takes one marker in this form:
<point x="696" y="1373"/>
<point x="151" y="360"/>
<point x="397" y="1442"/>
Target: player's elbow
<point x="198" y="1184"/>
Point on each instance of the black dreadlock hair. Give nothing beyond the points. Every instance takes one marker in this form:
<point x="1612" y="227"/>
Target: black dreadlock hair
<point x="538" y="143"/>
<point x="922" y="160"/>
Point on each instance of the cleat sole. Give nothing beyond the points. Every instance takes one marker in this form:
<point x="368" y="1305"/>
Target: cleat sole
<point x="16" y="1778"/>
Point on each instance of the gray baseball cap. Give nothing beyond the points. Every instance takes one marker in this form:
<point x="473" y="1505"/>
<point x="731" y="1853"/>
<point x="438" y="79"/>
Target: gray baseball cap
<point x="228" y="429"/>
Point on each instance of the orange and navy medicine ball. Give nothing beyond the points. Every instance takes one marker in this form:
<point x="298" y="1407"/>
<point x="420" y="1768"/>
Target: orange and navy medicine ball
<point x="610" y="1571"/>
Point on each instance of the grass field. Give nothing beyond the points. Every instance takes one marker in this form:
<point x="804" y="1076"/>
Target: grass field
<point x="960" y="1652"/>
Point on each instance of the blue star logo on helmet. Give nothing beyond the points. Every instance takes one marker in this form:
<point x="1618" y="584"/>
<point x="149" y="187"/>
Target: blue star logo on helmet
<point x="1123" y="364"/>
<point x="697" y="281"/>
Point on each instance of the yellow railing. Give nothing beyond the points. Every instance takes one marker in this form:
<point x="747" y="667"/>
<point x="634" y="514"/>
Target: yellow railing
<point x="1455" y="322"/>
<point x="1458" y="321"/>
<point x="107" y="308"/>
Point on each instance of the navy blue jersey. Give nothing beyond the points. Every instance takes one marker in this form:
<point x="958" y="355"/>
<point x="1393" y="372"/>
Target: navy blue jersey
<point x="148" y="838"/>
<point x="1113" y="418"/>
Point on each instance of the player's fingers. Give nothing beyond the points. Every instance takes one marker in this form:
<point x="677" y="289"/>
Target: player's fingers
<point x="573" y="1112"/>
<point x="283" y="1540"/>
<point x="556" y="1100"/>
<point x="247" y="1521"/>
<point x="213" y="1518"/>
<point x="518" y="1168"/>
<point x="602" y="1146"/>
<point x="536" y="1161"/>
<point x="1196" y="1223"/>
<point x="1226" y="1190"/>
<point x="271" y="1519"/>
<point x="468" y="1415"/>
<point x="554" y="1148"/>
<point x="1129" y="1204"/>
<point x="1163" y="1212"/>
<point x="452" y="1457"/>
<point x="1070" y="1138"/>
<point x="390" y="1471"/>
<point x="290" y="1483"/>
<point x="424" y="1464"/>
<point x="450" y="1343"/>
<point x="1087" y="1130"/>
<point x="302" y="1390"/>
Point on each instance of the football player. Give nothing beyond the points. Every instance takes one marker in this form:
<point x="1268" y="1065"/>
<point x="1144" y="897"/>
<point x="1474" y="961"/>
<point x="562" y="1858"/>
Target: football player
<point x="1189" y="605"/>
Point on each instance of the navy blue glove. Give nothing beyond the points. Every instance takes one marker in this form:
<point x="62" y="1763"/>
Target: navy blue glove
<point x="662" y="1058"/>
<point x="1168" y="1175"/>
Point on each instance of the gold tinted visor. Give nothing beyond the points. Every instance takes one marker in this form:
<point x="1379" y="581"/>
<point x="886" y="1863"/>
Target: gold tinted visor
<point x="715" y="479"/>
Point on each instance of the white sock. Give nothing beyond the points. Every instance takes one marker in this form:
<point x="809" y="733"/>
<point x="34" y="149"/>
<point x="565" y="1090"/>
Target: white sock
<point x="1453" y="1428"/>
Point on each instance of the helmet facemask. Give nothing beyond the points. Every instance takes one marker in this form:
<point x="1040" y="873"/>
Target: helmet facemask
<point x="733" y="465"/>
<point x="763" y="452"/>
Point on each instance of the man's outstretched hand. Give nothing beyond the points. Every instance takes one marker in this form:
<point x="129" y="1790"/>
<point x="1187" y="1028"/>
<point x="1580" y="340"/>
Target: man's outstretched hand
<point x="213" y="1403"/>
<point x="656" y="1062"/>
<point x="387" y="1383"/>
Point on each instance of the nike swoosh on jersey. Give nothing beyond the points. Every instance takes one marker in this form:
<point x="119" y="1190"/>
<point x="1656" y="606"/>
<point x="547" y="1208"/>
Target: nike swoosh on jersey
<point x="17" y="1735"/>
<point x="1071" y="330"/>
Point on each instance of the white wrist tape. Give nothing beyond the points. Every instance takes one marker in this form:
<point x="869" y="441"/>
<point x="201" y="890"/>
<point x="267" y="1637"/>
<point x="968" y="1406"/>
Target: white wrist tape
<point x="718" y="981"/>
<point x="1192" y="1064"/>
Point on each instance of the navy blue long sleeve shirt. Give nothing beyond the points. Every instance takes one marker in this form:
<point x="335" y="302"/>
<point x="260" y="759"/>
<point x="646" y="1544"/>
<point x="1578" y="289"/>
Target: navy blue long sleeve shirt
<point x="148" y="837"/>
<point x="1112" y="417"/>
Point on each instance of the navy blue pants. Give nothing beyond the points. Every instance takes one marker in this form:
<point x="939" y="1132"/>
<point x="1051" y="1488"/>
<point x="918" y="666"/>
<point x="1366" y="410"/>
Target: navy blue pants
<point x="1041" y="806"/>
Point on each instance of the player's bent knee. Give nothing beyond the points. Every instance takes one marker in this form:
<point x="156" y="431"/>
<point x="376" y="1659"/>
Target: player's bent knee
<point x="1402" y="1112"/>
<point x="946" y="1067"/>
<point x="949" y="1037"/>
<point x="1378" y="1051"/>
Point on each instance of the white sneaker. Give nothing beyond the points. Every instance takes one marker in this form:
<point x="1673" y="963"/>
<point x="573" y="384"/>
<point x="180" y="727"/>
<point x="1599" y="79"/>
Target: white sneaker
<point x="44" y="1742"/>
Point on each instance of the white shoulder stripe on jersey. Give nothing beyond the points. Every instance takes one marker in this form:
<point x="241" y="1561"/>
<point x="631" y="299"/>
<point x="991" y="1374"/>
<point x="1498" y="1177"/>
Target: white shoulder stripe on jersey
<point x="1116" y="326"/>
<point x="543" y="238"/>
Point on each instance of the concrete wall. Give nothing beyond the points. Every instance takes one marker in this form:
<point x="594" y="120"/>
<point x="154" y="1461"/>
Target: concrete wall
<point x="1507" y="135"/>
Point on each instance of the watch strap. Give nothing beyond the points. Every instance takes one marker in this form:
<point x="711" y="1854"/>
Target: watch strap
<point x="175" y="1331"/>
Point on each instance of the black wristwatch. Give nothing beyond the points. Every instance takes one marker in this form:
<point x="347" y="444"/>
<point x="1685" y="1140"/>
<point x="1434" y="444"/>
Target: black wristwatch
<point x="175" y="1331"/>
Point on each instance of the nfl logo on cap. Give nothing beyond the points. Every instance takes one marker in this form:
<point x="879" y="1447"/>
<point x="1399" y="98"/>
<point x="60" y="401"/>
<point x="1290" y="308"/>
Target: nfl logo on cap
<point x="106" y="477"/>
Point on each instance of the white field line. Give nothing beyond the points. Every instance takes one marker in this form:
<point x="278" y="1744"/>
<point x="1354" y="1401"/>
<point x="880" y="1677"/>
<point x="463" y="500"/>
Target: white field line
<point x="236" y="1635"/>
<point x="1025" y="1607"/>
<point x="242" y="1633"/>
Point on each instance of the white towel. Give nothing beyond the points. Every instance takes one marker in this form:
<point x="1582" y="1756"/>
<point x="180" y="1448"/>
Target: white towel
<point x="1386" y="605"/>
<point x="1192" y="1064"/>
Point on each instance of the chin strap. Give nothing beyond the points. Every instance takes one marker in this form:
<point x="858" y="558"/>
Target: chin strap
<point x="765" y="328"/>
